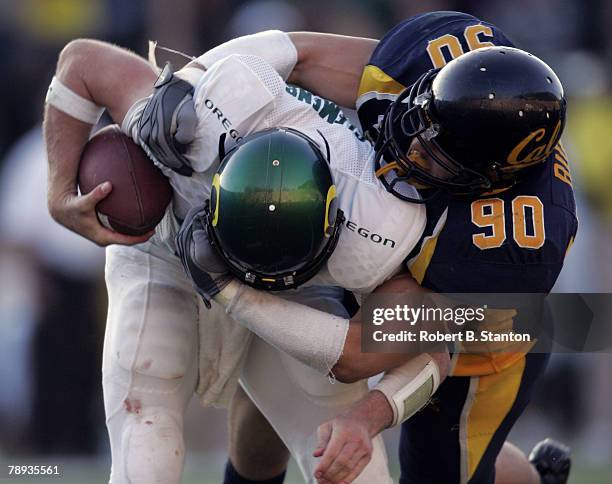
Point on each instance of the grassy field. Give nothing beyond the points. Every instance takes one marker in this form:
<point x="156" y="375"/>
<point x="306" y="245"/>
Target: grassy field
<point x="209" y="471"/>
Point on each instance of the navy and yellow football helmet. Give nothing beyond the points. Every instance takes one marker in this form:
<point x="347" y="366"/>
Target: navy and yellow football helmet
<point x="481" y="120"/>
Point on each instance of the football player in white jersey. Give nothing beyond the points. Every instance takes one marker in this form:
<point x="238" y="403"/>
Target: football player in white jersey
<point x="150" y="367"/>
<point x="339" y="79"/>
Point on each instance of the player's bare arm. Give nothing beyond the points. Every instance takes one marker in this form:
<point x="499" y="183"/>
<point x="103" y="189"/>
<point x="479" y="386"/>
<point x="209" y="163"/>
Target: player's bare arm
<point x="341" y="356"/>
<point x="345" y="443"/>
<point x="321" y="343"/>
<point x="353" y="365"/>
<point x="105" y="76"/>
<point x="331" y="65"/>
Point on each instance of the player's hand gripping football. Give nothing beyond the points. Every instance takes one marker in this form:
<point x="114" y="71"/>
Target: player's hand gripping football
<point x="78" y="213"/>
<point x="207" y="271"/>
<point x="168" y="123"/>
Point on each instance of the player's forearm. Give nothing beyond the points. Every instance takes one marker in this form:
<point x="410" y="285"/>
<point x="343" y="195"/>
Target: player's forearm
<point x="331" y="65"/>
<point x="402" y="392"/>
<point x="101" y="75"/>
<point x="374" y="410"/>
<point x="318" y="339"/>
<point x="64" y="138"/>
<point x="353" y="365"/>
<point x="313" y="337"/>
<point x="65" y="135"/>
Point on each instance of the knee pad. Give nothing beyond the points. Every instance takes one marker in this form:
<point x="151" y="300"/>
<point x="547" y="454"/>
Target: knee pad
<point x="154" y="331"/>
<point x="152" y="447"/>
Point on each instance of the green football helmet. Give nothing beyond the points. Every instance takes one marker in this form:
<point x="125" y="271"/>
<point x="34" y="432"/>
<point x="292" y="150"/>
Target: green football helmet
<point x="273" y="215"/>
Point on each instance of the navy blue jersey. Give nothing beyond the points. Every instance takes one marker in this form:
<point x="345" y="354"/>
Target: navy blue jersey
<point x="412" y="48"/>
<point x="513" y="241"/>
<point x="510" y="241"/>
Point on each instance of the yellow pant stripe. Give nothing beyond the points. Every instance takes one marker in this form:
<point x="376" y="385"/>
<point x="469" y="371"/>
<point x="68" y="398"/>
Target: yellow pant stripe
<point x="463" y="429"/>
<point x="492" y="401"/>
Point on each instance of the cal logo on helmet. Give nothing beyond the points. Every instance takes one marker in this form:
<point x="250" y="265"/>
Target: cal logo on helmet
<point x="482" y="119"/>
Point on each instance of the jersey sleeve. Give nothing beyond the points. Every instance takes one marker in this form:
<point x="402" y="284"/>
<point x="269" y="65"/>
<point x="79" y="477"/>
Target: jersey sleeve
<point x="274" y="46"/>
<point x="231" y="100"/>
<point x="412" y="48"/>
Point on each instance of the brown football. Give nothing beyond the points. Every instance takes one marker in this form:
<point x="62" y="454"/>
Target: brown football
<point x="141" y="193"/>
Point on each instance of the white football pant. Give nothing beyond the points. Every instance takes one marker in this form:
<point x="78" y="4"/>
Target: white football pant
<point x="150" y="371"/>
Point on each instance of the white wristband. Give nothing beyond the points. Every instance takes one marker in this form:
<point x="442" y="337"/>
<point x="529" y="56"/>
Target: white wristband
<point x="409" y="387"/>
<point x="66" y="100"/>
<point x="274" y="46"/>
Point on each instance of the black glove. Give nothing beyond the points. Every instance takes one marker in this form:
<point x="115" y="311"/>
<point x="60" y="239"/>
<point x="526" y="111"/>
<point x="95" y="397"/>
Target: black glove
<point x="204" y="267"/>
<point x="168" y="123"/>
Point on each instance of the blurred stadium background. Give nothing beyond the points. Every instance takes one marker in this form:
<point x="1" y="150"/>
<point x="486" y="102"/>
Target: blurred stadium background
<point x="52" y="295"/>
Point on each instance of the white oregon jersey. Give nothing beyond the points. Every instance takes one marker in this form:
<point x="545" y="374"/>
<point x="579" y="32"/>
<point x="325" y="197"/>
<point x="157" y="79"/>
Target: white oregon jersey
<point x="240" y="95"/>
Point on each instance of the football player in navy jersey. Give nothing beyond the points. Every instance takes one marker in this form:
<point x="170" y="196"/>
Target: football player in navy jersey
<point x="501" y="217"/>
<point x="507" y="231"/>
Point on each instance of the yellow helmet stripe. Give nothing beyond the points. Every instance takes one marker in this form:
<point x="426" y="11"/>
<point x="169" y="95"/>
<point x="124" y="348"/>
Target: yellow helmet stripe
<point x="217" y="184"/>
<point x="331" y="194"/>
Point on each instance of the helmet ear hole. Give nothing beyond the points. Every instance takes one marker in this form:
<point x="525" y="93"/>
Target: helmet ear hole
<point x="332" y="217"/>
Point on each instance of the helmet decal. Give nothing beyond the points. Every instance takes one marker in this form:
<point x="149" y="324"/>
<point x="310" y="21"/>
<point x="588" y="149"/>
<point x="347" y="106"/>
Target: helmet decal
<point x="214" y="197"/>
<point x="519" y="156"/>
<point x="330" y="218"/>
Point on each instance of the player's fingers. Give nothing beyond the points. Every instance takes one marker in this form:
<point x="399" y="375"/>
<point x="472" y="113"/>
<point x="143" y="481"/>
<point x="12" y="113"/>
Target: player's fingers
<point x="357" y="468"/>
<point x="122" y="239"/>
<point x="323" y="435"/>
<point x="90" y="200"/>
<point x="360" y="458"/>
<point x="334" y="447"/>
<point x="342" y="464"/>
